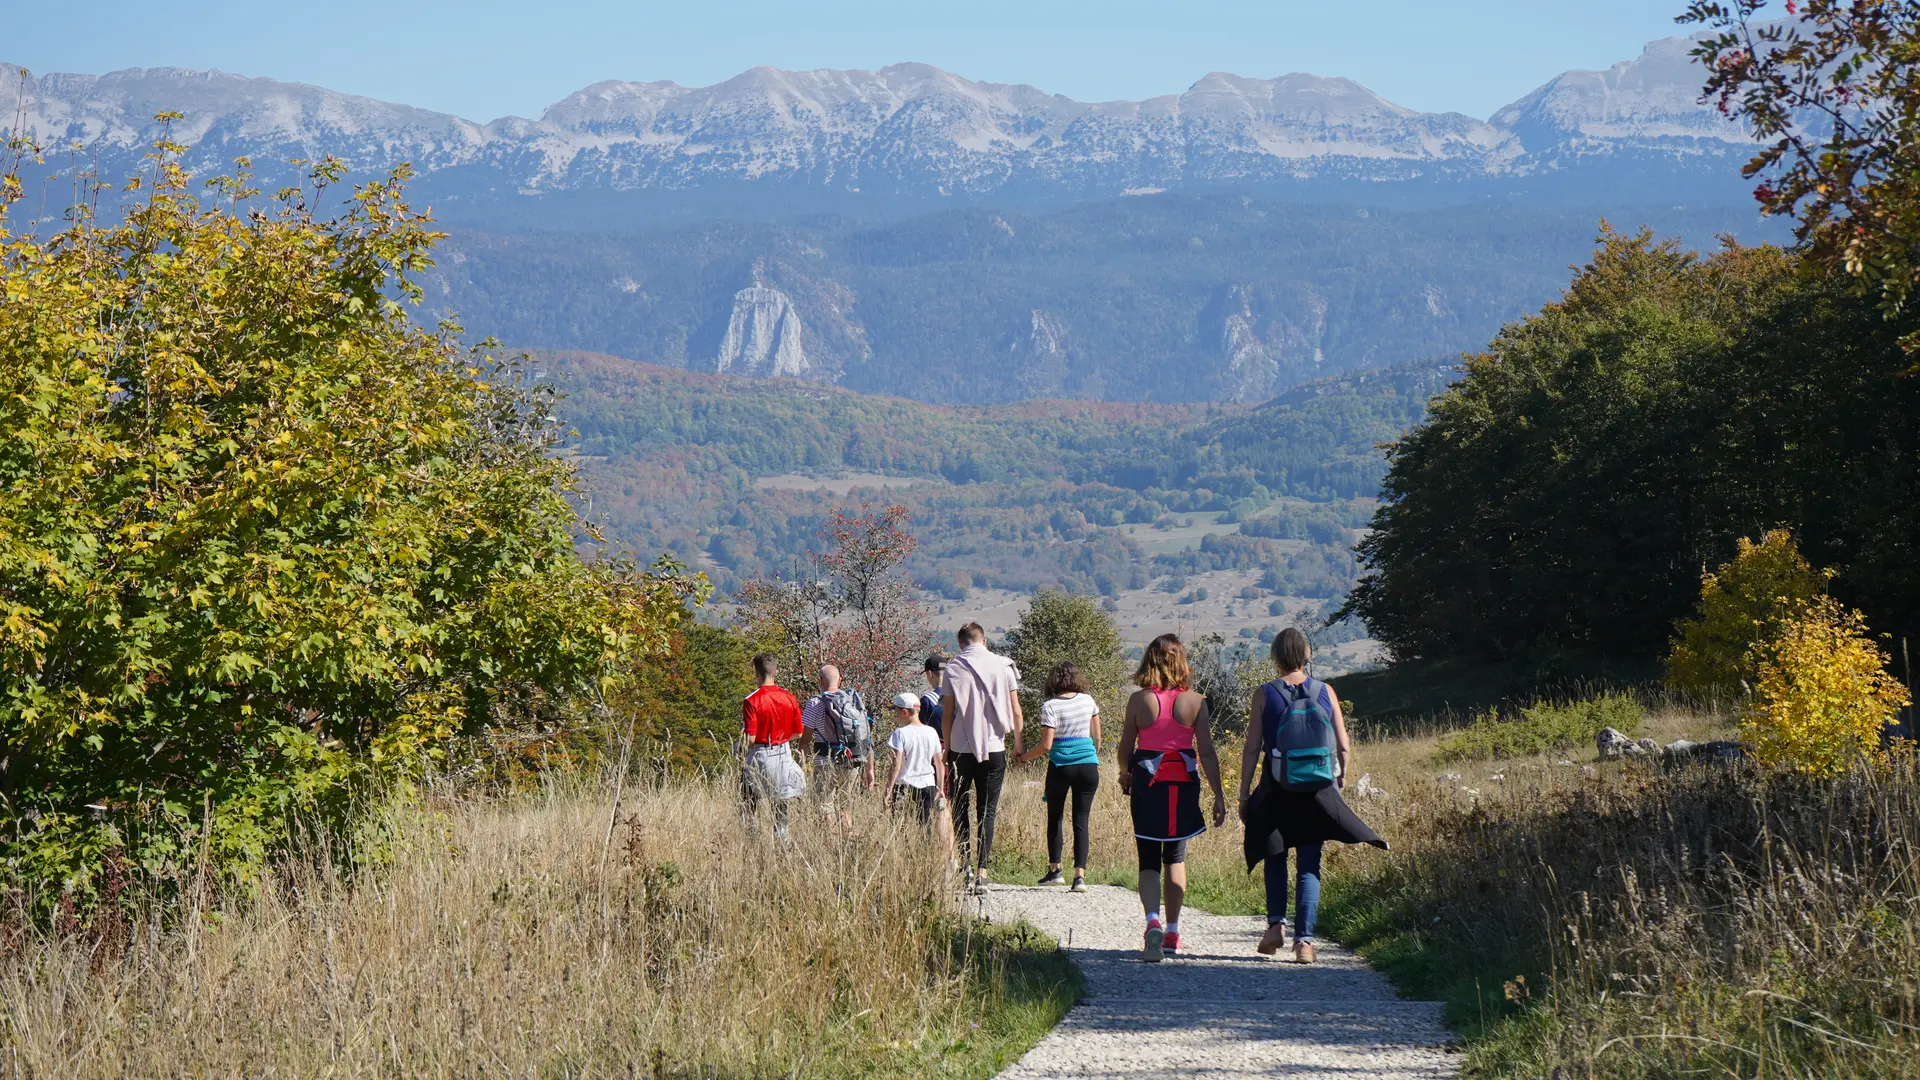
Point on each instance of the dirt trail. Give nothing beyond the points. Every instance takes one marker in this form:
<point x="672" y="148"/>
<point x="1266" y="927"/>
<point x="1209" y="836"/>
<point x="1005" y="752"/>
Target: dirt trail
<point x="1220" y="1010"/>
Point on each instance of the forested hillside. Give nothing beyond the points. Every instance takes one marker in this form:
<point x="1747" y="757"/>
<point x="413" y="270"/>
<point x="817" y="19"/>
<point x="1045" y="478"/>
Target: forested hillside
<point x="1169" y="297"/>
<point x="1018" y="496"/>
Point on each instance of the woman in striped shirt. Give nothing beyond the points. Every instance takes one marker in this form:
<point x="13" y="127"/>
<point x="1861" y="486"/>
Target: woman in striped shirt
<point x="1070" y="737"/>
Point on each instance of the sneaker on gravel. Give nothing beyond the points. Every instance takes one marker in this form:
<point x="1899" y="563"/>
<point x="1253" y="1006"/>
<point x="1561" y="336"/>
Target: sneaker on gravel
<point x="1171" y="945"/>
<point x="978" y="886"/>
<point x="1274" y="939"/>
<point x="1303" y="952"/>
<point x="1079" y="883"/>
<point x="1053" y="878"/>
<point x="1152" y="952"/>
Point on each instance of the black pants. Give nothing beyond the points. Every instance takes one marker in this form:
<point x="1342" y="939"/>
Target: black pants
<point x="1081" y="781"/>
<point x="1153" y="853"/>
<point x="918" y="799"/>
<point x="982" y="778"/>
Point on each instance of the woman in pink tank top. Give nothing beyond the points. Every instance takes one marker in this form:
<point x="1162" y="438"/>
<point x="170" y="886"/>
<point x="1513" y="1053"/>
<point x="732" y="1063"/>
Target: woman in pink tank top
<point x="1166" y="746"/>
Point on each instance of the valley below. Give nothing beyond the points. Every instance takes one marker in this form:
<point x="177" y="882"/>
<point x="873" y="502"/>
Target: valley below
<point x="1233" y="520"/>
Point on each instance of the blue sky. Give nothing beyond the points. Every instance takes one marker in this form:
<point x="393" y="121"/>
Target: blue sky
<point x="483" y="59"/>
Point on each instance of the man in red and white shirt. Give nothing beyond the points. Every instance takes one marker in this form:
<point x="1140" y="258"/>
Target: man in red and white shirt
<point x="769" y="721"/>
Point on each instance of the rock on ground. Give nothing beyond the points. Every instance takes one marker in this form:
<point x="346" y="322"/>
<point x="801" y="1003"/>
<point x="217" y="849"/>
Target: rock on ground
<point x="1221" y="1010"/>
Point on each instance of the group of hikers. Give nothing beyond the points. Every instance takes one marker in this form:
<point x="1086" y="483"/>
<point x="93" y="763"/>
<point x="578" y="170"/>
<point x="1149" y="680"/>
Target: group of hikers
<point x="949" y="761"/>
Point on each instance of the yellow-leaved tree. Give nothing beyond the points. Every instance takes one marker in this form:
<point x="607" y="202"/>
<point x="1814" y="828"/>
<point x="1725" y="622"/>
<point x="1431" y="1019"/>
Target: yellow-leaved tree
<point x="1813" y="690"/>
<point x="1741" y="603"/>
<point x="1822" y="697"/>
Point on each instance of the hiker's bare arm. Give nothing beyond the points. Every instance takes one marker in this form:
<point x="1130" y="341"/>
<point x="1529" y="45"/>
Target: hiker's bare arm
<point x="1250" y="757"/>
<point x="1129" y="734"/>
<point x="1093" y="729"/>
<point x="1208" y="754"/>
<point x="1019" y="725"/>
<point x="899" y="763"/>
<point x="1210" y="762"/>
<point x="1046" y="744"/>
<point x="1341" y="745"/>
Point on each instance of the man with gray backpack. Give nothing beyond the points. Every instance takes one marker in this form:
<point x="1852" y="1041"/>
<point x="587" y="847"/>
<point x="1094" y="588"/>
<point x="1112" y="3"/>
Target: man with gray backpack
<point x="841" y="733"/>
<point x="1297" y="745"/>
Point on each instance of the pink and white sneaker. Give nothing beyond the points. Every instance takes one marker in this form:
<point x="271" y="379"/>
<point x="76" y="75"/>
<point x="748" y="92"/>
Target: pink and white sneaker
<point x="1152" y="953"/>
<point x="1171" y="944"/>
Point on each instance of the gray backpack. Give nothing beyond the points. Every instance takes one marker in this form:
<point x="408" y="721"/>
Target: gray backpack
<point x="847" y="729"/>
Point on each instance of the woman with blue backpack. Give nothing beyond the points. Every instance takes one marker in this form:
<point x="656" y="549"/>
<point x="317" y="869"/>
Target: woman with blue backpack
<point x="1297" y="745"/>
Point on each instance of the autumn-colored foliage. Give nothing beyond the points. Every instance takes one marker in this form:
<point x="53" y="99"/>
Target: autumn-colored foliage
<point x="1740" y="604"/>
<point x="1813" y="689"/>
<point x="1822" y="697"/>
<point x="1830" y="95"/>
<point x="850" y="604"/>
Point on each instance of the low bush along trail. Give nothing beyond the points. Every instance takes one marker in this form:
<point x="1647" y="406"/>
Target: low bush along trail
<point x="499" y="939"/>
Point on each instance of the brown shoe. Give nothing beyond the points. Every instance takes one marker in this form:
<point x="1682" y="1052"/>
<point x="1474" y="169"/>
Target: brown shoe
<point x="1303" y="952"/>
<point x="1274" y="939"/>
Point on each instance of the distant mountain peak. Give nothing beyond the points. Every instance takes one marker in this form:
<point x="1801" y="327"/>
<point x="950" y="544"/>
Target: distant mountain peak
<point x="905" y="128"/>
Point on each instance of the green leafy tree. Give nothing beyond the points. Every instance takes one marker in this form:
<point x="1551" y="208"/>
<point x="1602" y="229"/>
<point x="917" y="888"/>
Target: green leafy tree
<point x="1066" y="627"/>
<point x="684" y="703"/>
<point x="1558" y="496"/>
<point x="1564" y="498"/>
<point x="262" y="538"/>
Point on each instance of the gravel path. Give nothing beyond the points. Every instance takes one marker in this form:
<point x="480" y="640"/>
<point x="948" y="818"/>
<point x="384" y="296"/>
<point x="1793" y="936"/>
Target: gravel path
<point x="1221" y="1010"/>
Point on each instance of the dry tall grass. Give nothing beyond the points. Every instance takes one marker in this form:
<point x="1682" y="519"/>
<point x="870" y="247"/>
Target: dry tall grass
<point x="513" y="940"/>
<point x="1714" y="920"/>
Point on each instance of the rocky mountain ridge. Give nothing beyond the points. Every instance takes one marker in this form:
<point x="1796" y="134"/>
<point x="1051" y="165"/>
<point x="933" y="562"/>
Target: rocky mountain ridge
<point x="907" y="127"/>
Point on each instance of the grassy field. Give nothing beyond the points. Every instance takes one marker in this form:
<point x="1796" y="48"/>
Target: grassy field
<point x="511" y="939"/>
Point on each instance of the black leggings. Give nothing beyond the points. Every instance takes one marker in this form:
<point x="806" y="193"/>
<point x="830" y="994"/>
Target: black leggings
<point x="983" y="777"/>
<point x="1155" y="852"/>
<point x="1082" y="781"/>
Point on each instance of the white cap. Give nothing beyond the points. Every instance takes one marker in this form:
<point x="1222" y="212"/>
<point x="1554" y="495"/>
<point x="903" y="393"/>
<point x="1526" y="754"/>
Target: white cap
<point x="905" y="700"/>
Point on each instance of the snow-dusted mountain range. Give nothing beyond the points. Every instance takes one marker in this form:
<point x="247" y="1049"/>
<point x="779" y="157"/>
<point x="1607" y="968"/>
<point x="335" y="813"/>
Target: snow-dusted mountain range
<point x="913" y="232"/>
<point x="908" y="128"/>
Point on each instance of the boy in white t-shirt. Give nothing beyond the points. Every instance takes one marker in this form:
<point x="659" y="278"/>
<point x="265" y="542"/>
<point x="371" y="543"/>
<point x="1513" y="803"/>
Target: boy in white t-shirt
<point x="919" y="771"/>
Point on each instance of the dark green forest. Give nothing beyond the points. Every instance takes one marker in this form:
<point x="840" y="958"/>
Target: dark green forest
<point x="1566" y="495"/>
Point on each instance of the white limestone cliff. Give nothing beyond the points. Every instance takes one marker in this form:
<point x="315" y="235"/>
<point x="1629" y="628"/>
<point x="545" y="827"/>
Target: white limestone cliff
<point x="763" y="335"/>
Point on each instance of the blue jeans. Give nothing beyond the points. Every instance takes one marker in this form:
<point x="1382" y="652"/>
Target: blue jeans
<point x="1307" y="903"/>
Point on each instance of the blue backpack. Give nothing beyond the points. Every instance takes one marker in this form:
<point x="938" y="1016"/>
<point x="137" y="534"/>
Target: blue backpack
<point x="1299" y="736"/>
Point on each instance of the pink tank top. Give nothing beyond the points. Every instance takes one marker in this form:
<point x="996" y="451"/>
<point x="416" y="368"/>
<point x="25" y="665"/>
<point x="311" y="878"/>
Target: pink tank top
<point x="1166" y="734"/>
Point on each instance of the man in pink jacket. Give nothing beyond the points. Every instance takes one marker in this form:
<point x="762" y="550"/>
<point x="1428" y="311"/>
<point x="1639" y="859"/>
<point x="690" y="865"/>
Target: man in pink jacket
<point x="980" y="701"/>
